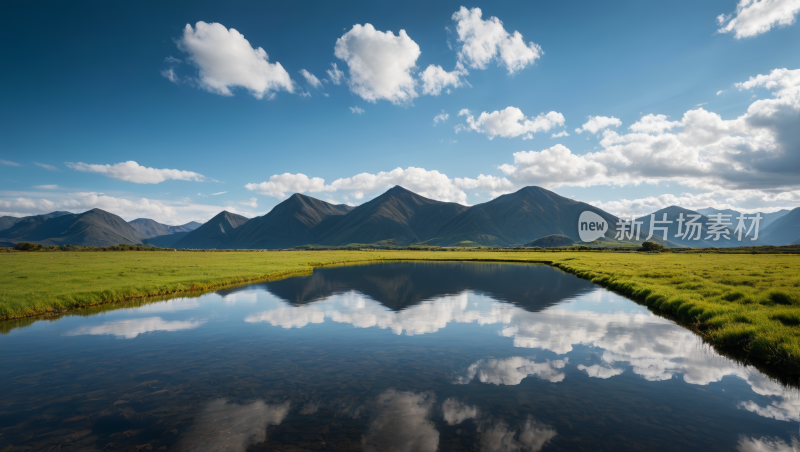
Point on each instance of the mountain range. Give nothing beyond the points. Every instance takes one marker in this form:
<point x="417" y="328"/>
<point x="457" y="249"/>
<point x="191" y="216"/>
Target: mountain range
<point x="784" y="230"/>
<point x="398" y="217"/>
<point x="689" y="238"/>
<point x="766" y="218"/>
<point x="93" y="228"/>
<point x="149" y="228"/>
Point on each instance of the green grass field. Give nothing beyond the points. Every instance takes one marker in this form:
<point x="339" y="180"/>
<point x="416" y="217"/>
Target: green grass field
<point x="745" y="304"/>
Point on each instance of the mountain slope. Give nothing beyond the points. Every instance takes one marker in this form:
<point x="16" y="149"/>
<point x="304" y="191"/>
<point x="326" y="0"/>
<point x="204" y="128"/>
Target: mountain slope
<point x="398" y="217"/>
<point x="766" y="218"/>
<point x="552" y="241"/>
<point x="217" y="233"/>
<point x="674" y="212"/>
<point x="784" y="230"/>
<point x="8" y="221"/>
<point x="166" y="241"/>
<point x="518" y="218"/>
<point x="300" y="220"/>
<point x="92" y="228"/>
<point x="28" y="224"/>
<point x="150" y="228"/>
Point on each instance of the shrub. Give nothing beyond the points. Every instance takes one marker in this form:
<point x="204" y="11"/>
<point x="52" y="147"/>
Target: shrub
<point x="652" y="246"/>
<point x="779" y="297"/>
<point x="27" y="246"/>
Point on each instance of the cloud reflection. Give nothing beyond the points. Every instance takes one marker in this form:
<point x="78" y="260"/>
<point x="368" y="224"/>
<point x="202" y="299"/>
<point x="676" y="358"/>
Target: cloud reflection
<point x="747" y="444"/>
<point x="223" y="426"/>
<point x="511" y="371"/>
<point x="652" y="347"/>
<point x="531" y="436"/>
<point x="241" y="297"/>
<point x="597" y="371"/>
<point x="456" y="412"/>
<point x="178" y="304"/>
<point x="362" y="312"/>
<point x="129" y="329"/>
<point x="401" y="423"/>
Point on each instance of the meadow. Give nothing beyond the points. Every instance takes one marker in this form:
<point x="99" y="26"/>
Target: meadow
<point x="747" y="305"/>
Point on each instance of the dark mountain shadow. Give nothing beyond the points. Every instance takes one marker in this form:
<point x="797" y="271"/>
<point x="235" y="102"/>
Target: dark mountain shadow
<point x="399" y="285"/>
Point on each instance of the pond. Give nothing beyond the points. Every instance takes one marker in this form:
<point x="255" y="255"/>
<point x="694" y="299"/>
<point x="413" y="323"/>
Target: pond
<point x="403" y="356"/>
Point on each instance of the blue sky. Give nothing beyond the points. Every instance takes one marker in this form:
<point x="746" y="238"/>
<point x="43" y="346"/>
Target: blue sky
<point x="676" y="105"/>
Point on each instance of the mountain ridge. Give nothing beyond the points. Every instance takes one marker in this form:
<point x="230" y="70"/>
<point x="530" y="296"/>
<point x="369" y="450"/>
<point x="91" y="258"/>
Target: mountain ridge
<point x="398" y="217"/>
<point x="150" y="228"/>
<point x="519" y="218"/>
<point x="94" y="227"/>
<point x="217" y="233"/>
<point x="299" y="220"/>
<point x="398" y="214"/>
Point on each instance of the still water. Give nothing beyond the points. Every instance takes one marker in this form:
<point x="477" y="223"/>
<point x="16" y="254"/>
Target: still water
<point x="385" y="357"/>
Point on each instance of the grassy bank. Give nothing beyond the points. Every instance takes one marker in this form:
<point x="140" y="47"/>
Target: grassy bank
<point x="748" y="304"/>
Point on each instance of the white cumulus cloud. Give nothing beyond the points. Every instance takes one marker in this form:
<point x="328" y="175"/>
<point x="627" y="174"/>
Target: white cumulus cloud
<point x="441" y="117"/>
<point x="311" y="78"/>
<point x="281" y="184"/>
<point x="133" y="172"/>
<point x="509" y="123"/>
<point x="598" y="123"/>
<point x="226" y="59"/>
<point x="380" y="63"/>
<point x="435" y="79"/>
<point x="701" y="150"/>
<point x="783" y="81"/>
<point x="487" y="40"/>
<point x="754" y="17"/>
<point x="335" y="75"/>
<point x="428" y="183"/>
<point x="164" y="211"/>
<point x="357" y="110"/>
<point x="651" y="124"/>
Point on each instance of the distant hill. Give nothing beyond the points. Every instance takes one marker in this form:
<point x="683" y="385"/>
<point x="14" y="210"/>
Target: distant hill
<point x="8" y="221"/>
<point x="552" y="241"/>
<point x="398" y="217"/>
<point x="673" y="213"/>
<point x="518" y="218"/>
<point x="218" y="233"/>
<point x="166" y="241"/>
<point x="29" y="222"/>
<point x="151" y="228"/>
<point x="783" y="231"/>
<point x="766" y="218"/>
<point x="92" y="228"/>
<point x="299" y="220"/>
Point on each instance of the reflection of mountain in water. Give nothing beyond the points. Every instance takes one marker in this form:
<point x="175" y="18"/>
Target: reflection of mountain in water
<point x="399" y="285"/>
